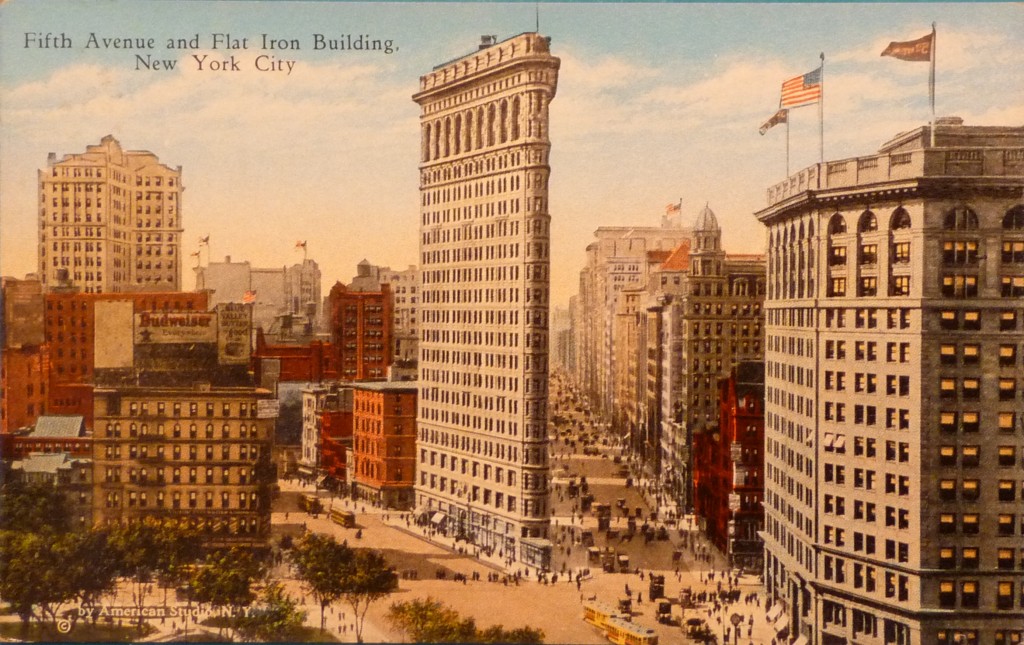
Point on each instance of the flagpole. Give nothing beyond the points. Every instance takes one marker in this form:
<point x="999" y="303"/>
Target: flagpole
<point x="787" y="145"/>
<point x="931" y="86"/>
<point x="821" y="116"/>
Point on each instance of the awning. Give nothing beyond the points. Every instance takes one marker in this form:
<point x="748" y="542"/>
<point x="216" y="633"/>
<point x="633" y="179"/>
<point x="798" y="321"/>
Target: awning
<point x="800" y="641"/>
<point x="774" y="613"/>
<point x="438" y="517"/>
<point x="321" y="480"/>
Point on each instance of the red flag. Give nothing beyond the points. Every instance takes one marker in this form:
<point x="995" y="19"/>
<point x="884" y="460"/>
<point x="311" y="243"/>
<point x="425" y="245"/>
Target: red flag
<point x="301" y="244"/>
<point x="919" y="50"/>
<point x="673" y="208"/>
<point x="249" y="297"/>
<point x="782" y="116"/>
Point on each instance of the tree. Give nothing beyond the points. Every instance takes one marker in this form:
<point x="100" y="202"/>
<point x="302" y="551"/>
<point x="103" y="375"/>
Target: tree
<point x="320" y="561"/>
<point x="276" y="618"/>
<point x="225" y="579"/>
<point x="431" y="621"/>
<point x="91" y="565"/>
<point x="366" y="579"/>
<point x="147" y="549"/>
<point x="32" y="574"/>
<point x="35" y="507"/>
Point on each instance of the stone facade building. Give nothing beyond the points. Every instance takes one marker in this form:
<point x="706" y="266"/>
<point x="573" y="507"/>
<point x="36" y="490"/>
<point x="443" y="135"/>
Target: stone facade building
<point x="893" y="385"/>
<point x="483" y="465"/>
<point x="110" y="220"/>
<point x="199" y="455"/>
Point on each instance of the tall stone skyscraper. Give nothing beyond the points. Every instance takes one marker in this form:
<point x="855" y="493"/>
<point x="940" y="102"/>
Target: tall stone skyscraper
<point x="482" y="466"/>
<point x="110" y="221"/>
<point x="893" y="435"/>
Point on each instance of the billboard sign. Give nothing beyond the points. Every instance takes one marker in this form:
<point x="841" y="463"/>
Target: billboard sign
<point x="185" y="327"/>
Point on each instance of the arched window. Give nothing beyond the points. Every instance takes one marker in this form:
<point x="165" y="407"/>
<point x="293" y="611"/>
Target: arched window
<point x="490" y="124"/>
<point x="868" y="222"/>
<point x="836" y="225"/>
<point x="1014" y="218"/>
<point x="469" y="130"/>
<point x="960" y="218"/>
<point x="515" y="118"/>
<point x="503" y="122"/>
<point x="426" y="142"/>
<point x="810" y="229"/>
<point x="458" y="133"/>
<point x="900" y="219"/>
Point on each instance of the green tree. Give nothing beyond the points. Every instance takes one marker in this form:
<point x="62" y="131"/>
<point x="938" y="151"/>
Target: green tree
<point x="320" y="562"/>
<point x="276" y="618"/>
<point x="225" y="579"/>
<point x="32" y="574"/>
<point x="146" y="550"/>
<point x="35" y="507"/>
<point x="366" y="579"/>
<point x="517" y="636"/>
<point x="431" y="621"/>
<point x="91" y="565"/>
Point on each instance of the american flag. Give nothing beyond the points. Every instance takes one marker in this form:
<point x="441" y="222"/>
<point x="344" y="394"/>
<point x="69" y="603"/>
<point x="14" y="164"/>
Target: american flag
<point x="673" y="208"/>
<point x="801" y="90"/>
<point x="249" y="297"/>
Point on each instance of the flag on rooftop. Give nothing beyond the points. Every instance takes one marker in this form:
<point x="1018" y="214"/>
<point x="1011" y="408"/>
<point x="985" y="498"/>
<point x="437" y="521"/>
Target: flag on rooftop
<point x="919" y="50"/>
<point x="301" y="244"/>
<point x="782" y="116"/>
<point x="801" y="90"/>
<point x="673" y="208"/>
<point x="204" y="240"/>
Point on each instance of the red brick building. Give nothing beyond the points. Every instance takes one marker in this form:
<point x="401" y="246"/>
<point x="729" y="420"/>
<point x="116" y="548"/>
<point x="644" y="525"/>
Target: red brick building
<point x="313" y="362"/>
<point x="71" y="326"/>
<point x="362" y="330"/>
<point x="51" y="434"/>
<point x="25" y="355"/>
<point x="384" y="433"/>
<point x="729" y="468"/>
<point x="335" y="444"/>
<point x="49" y="356"/>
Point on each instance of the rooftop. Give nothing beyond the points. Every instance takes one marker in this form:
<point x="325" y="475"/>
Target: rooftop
<point x="62" y="427"/>
<point x="959" y="151"/>
<point x="387" y="386"/>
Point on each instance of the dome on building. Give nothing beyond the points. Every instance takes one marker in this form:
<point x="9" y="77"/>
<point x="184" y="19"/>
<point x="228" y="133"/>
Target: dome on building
<point x="706" y="220"/>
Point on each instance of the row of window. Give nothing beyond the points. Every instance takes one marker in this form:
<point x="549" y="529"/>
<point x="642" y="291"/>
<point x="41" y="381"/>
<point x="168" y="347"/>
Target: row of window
<point x="970" y="558"/>
<point x="969" y="595"/>
<point x="970" y="490"/>
<point x="159" y="433"/>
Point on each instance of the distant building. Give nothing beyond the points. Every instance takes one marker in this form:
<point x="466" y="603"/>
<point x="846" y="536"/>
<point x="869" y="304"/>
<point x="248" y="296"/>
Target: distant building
<point x="110" y="220"/>
<point x="384" y="443"/>
<point x="320" y="401"/>
<point x="362" y="325"/>
<point x="273" y="293"/>
<point x="405" y="289"/>
<point x="24" y="354"/>
<point x="893" y="442"/>
<point x="705" y="315"/>
<point x="616" y="260"/>
<point x="68" y="474"/>
<point x="729" y="469"/>
<point x="51" y="434"/>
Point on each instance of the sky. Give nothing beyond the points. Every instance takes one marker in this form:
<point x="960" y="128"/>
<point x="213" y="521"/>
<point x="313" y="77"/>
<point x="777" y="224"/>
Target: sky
<point x="656" y="103"/>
